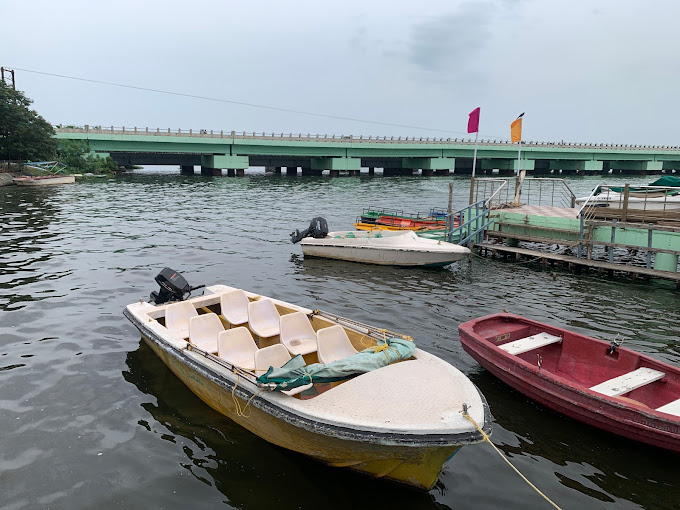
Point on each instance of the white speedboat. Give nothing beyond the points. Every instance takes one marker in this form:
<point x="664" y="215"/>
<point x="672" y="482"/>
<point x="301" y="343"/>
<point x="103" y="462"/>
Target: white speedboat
<point x="660" y="195"/>
<point x="385" y="247"/>
<point x="355" y="396"/>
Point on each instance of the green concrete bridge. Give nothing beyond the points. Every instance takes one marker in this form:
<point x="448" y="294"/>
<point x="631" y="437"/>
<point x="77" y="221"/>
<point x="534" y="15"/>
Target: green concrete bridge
<point x="315" y="154"/>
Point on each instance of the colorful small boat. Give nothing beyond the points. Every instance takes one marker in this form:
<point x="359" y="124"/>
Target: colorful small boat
<point x="390" y="410"/>
<point x="435" y="218"/>
<point x="593" y="381"/>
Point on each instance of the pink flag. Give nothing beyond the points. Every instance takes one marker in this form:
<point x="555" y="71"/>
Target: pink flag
<point x="473" y="122"/>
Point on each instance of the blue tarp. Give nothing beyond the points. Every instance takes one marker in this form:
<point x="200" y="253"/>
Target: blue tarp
<point x="295" y="373"/>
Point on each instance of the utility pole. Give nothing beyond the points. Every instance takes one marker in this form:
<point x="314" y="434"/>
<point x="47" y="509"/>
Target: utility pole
<point x="10" y="73"/>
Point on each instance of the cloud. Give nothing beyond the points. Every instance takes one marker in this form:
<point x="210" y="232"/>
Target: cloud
<point x="451" y="41"/>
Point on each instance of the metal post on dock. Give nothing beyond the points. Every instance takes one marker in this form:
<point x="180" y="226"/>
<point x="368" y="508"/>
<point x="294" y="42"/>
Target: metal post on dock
<point x="611" y="247"/>
<point x="649" y="245"/>
<point x="626" y="195"/>
<point x="579" y="251"/>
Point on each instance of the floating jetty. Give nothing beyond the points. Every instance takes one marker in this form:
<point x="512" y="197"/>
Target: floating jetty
<point x="536" y="219"/>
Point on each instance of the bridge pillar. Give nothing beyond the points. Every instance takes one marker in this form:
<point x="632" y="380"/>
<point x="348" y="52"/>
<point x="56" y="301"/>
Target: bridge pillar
<point x="309" y="171"/>
<point x="335" y="173"/>
<point x="231" y="172"/>
<point x="445" y="171"/>
<point x="354" y="173"/>
<point x="425" y="172"/>
<point x="240" y="172"/>
<point x="654" y="167"/>
<point x="371" y="170"/>
<point x="186" y="170"/>
<point x="277" y="169"/>
<point x="291" y="170"/>
<point x="215" y="172"/>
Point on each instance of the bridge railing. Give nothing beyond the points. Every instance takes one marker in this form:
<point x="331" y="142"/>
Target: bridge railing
<point x="243" y="135"/>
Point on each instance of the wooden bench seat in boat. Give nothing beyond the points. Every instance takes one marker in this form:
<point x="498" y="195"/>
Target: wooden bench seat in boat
<point x="628" y="382"/>
<point x="671" y="408"/>
<point x="530" y="343"/>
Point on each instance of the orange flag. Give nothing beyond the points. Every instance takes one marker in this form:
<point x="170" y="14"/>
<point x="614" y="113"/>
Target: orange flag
<point x="516" y="130"/>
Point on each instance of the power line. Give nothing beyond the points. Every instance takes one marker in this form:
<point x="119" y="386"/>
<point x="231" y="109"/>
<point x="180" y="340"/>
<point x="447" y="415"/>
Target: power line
<point x="240" y="103"/>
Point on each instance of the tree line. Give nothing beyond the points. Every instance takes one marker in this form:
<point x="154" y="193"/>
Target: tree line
<point x="27" y="136"/>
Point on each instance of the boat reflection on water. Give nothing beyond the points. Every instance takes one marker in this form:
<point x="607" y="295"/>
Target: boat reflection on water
<point x="246" y="469"/>
<point x="593" y="462"/>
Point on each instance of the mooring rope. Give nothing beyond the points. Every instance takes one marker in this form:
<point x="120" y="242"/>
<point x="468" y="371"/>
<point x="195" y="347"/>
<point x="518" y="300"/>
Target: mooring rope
<point x="486" y="438"/>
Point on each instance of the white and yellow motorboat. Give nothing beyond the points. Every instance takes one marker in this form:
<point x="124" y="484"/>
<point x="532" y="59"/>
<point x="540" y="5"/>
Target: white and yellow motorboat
<point x="400" y="421"/>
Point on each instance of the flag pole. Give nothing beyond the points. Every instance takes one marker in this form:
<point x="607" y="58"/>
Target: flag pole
<point x="474" y="157"/>
<point x="518" y="179"/>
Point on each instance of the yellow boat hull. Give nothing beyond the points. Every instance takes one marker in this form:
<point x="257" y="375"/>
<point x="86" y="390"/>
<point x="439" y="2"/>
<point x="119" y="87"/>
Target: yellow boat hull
<point x="412" y="465"/>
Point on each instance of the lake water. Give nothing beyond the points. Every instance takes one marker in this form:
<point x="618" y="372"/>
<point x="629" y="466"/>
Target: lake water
<point x="90" y="418"/>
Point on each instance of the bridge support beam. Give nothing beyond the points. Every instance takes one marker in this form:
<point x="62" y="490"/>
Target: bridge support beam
<point x="186" y="170"/>
<point x="504" y="166"/>
<point x="371" y="170"/>
<point x="231" y="172"/>
<point x="291" y="170"/>
<point x="636" y="167"/>
<point x="525" y="164"/>
<point x="340" y="164"/>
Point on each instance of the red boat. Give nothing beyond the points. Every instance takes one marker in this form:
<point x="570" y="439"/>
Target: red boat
<point x="590" y="380"/>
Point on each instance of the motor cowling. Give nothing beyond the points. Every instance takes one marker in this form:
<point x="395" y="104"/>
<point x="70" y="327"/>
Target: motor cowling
<point x="173" y="287"/>
<point x="318" y="228"/>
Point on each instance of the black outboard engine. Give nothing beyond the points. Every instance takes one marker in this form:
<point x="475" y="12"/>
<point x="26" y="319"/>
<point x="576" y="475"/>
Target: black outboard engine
<point x="318" y="229"/>
<point x="173" y="287"/>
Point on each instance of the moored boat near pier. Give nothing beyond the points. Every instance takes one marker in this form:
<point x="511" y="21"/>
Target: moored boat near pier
<point x="596" y="382"/>
<point x="373" y="403"/>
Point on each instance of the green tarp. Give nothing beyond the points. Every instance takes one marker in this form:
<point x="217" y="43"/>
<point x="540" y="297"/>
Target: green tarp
<point x="295" y="373"/>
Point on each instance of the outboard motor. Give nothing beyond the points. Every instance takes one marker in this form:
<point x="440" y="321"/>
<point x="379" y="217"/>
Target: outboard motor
<point x="318" y="229"/>
<point x="173" y="287"/>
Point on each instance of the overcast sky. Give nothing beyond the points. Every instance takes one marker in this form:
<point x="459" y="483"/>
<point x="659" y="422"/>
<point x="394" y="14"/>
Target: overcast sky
<point x="582" y="70"/>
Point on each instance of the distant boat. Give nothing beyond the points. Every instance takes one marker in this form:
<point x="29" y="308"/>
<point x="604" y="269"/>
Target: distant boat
<point x="43" y="180"/>
<point x="593" y="381"/>
<point x="660" y="195"/>
<point x="388" y="247"/>
<point x="390" y="410"/>
<point x="403" y="221"/>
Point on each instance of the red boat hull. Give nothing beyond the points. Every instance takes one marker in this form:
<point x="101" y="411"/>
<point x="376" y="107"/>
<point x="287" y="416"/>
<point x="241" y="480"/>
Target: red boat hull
<point x="569" y="369"/>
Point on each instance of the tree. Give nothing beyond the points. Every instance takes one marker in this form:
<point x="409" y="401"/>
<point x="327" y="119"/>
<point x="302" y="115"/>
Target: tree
<point x="23" y="133"/>
<point x="76" y="155"/>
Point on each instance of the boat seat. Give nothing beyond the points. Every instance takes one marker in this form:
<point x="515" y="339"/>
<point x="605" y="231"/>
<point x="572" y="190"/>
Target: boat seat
<point x="671" y="408"/>
<point x="263" y="318"/>
<point x="530" y="343"/>
<point x="297" y="333"/>
<point x="275" y="356"/>
<point x="177" y="317"/>
<point x="203" y="331"/>
<point x="237" y="346"/>
<point x="234" y="307"/>
<point x="333" y="344"/>
<point x="628" y="382"/>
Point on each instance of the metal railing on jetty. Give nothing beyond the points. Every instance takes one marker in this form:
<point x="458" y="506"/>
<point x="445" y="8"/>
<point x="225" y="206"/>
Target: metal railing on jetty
<point x="635" y="230"/>
<point x="468" y="225"/>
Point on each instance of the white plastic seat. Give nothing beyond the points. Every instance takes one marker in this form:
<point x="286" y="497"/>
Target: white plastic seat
<point x="203" y="331"/>
<point x="177" y="317"/>
<point x="237" y="346"/>
<point x="333" y="344"/>
<point x="297" y="334"/>
<point x="275" y="356"/>
<point x="263" y="318"/>
<point x="234" y="305"/>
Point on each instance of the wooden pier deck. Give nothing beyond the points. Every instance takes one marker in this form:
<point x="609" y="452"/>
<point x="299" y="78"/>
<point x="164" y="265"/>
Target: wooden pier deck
<point x="575" y="263"/>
